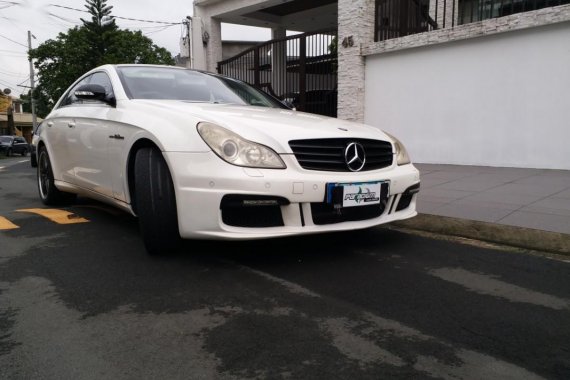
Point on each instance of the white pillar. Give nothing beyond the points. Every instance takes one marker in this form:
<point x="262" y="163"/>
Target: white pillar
<point x="214" y="44"/>
<point x="198" y="53"/>
<point x="206" y="39"/>
<point x="355" y="27"/>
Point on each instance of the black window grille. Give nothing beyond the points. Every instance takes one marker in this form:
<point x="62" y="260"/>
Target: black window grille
<point x="400" y="18"/>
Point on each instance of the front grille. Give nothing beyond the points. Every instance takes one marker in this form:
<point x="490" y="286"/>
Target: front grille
<point x="328" y="154"/>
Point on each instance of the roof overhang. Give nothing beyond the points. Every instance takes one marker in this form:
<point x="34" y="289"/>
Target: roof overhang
<point x="298" y="15"/>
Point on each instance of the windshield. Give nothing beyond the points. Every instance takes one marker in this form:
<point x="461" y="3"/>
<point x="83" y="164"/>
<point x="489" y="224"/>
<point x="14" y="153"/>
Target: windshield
<point x="143" y="82"/>
<point x="5" y="139"/>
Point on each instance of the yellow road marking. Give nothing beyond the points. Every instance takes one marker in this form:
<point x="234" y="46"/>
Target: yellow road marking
<point x="58" y="216"/>
<point x="5" y="224"/>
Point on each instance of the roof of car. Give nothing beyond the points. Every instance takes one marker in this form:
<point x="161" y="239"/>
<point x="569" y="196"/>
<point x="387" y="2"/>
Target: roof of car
<point x="161" y="66"/>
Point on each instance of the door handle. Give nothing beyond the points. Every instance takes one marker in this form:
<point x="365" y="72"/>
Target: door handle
<point x="71" y="124"/>
<point x="50" y="124"/>
<point x="117" y="136"/>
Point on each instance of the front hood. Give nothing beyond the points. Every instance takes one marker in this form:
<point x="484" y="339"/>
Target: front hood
<point x="272" y="127"/>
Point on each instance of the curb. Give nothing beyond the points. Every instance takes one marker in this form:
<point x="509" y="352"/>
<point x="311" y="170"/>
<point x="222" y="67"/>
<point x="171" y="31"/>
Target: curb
<point x="526" y="238"/>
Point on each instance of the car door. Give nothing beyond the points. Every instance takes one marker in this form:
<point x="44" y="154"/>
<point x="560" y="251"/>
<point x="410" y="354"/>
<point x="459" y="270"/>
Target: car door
<point x="19" y="145"/>
<point x="56" y="134"/>
<point x="118" y="134"/>
<point x="89" y="137"/>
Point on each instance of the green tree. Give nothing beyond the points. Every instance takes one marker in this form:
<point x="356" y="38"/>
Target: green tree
<point x="99" y="29"/>
<point x="42" y="107"/>
<point x="98" y="41"/>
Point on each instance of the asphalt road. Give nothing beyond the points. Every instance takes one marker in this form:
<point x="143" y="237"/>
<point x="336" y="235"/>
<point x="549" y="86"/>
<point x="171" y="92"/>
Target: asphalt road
<point x="84" y="301"/>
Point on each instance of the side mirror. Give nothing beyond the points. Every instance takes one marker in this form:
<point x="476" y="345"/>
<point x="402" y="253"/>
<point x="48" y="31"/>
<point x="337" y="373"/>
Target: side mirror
<point x="289" y="105"/>
<point x="90" y="92"/>
<point x="93" y="92"/>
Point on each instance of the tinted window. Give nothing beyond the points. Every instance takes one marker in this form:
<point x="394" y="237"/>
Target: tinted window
<point x="142" y="82"/>
<point x="5" y="139"/>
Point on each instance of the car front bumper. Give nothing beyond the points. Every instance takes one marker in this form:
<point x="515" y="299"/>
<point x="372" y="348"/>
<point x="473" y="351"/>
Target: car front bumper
<point x="201" y="181"/>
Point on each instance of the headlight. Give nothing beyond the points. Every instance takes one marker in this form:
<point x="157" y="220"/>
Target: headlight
<point x="402" y="157"/>
<point x="236" y="150"/>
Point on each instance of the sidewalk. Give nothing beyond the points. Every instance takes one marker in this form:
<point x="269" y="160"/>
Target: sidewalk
<point x="537" y="200"/>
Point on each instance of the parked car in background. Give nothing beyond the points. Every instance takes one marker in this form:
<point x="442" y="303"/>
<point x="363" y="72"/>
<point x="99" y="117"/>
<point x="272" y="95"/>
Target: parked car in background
<point x="200" y="155"/>
<point x="34" y="144"/>
<point x="10" y="145"/>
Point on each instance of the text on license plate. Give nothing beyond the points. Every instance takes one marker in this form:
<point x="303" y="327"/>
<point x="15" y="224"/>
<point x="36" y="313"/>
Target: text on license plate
<point x="356" y="194"/>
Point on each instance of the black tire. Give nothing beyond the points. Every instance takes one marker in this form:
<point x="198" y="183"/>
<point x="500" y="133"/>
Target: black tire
<point x="155" y="202"/>
<point x="33" y="160"/>
<point x="49" y="194"/>
<point x="25" y="153"/>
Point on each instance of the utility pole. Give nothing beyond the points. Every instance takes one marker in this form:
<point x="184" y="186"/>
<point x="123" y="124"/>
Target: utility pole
<point x="32" y="82"/>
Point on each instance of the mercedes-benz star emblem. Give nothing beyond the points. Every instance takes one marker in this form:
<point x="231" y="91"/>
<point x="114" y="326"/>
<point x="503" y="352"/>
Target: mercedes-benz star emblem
<point x="354" y="156"/>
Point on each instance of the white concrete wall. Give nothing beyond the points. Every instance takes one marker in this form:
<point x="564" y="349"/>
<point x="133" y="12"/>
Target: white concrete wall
<point x="500" y="100"/>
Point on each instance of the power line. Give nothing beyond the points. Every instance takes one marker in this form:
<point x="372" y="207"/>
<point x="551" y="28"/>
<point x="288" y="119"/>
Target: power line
<point x="7" y="4"/>
<point x="119" y="17"/>
<point x="14" y="55"/>
<point x="12" y="51"/>
<point x="7" y="85"/>
<point x="24" y="81"/>
<point x="17" y="76"/>
<point x="16" y="42"/>
<point x="64" y="19"/>
<point x="13" y="73"/>
<point x="159" y="30"/>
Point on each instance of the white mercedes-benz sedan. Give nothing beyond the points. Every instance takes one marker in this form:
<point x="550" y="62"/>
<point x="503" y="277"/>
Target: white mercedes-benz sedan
<point x="202" y="156"/>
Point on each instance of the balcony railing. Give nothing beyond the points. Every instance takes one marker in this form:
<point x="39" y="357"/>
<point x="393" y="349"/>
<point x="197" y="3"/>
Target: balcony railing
<point x="399" y="18"/>
<point x="300" y="69"/>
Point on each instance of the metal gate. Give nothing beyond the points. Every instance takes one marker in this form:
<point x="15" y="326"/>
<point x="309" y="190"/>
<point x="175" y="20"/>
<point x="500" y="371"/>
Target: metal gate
<point x="300" y="69"/>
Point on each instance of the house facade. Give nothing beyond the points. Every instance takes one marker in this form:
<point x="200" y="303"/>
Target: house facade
<point x="474" y="82"/>
<point x="11" y="111"/>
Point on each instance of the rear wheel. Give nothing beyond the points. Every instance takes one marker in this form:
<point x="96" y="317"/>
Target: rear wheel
<point x="49" y="194"/>
<point x="155" y="202"/>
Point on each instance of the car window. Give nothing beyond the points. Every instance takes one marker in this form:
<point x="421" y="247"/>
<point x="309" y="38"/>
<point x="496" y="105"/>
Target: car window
<point x="19" y="140"/>
<point x="5" y="139"/>
<point x="191" y="86"/>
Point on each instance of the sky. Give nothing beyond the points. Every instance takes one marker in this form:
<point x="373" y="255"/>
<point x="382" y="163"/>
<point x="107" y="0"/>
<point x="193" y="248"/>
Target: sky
<point x="46" y="20"/>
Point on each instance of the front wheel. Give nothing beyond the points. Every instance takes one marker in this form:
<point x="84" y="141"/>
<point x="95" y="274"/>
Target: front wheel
<point x="49" y="194"/>
<point x="155" y="202"/>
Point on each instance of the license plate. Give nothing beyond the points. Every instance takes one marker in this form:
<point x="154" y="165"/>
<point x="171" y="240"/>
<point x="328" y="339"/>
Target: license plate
<point x="357" y="194"/>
